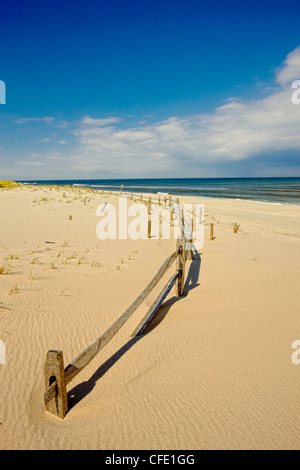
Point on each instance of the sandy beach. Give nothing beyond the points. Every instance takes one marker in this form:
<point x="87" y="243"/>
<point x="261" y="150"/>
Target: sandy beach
<point x="213" y="371"/>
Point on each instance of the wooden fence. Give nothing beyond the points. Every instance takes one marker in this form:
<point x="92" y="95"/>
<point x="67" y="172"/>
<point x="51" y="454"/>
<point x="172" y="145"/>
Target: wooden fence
<point x="57" y="377"/>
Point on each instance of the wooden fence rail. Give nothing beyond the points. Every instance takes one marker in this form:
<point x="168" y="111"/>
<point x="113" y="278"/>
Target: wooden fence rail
<point x="160" y="199"/>
<point x="57" y="377"/>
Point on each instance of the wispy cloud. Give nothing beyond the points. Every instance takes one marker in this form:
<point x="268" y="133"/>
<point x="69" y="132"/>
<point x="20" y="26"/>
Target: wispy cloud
<point x="46" y="119"/>
<point x="30" y="163"/>
<point x="236" y="131"/>
<point x="54" y="122"/>
<point x="99" y="122"/>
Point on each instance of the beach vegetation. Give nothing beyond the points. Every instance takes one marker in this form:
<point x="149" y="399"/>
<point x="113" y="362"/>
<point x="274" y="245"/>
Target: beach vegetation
<point x="96" y="264"/>
<point x="236" y="228"/>
<point x="9" y="185"/>
<point x="33" y="276"/>
<point x="4" y="270"/>
<point x="14" y="290"/>
<point x="11" y="257"/>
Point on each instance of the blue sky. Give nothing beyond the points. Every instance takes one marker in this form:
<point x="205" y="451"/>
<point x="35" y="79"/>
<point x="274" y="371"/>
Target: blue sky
<point x="147" y="89"/>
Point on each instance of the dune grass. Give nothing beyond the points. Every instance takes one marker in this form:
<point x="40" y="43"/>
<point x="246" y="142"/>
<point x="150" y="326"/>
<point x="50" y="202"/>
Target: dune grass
<point x="9" y="184"/>
<point x="14" y="290"/>
<point x="4" y="270"/>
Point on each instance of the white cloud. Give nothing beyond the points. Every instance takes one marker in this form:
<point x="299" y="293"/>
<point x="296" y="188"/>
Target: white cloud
<point x="235" y="131"/>
<point x="30" y="163"/>
<point x="99" y="122"/>
<point x="46" y="119"/>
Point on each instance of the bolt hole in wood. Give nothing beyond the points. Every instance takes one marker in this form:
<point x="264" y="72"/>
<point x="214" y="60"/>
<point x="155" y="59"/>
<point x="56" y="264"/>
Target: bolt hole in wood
<point x="52" y="380"/>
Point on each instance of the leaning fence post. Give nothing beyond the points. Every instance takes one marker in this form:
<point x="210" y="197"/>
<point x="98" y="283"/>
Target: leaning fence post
<point x="54" y="372"/>
<point x="180" y="265"/>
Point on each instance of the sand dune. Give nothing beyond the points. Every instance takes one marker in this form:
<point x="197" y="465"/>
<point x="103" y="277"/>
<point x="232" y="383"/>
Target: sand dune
<point x="214" y="370"/>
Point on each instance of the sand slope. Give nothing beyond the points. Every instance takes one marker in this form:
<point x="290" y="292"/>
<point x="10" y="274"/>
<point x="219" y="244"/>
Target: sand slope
<point x="214" y="369"/>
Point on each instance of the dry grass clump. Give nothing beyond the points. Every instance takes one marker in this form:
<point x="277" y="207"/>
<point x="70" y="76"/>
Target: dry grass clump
<point x="14" y="290"/>
<point x="236" y="228"/>
<point x="11" y="257"/>
<point x="4" y="270"/>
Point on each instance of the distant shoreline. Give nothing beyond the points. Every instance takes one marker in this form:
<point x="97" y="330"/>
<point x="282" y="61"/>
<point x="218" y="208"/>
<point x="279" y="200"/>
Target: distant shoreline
<point x="278" y="191"/>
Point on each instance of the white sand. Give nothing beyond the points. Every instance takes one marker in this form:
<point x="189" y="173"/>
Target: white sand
<point x="215" y="369"/>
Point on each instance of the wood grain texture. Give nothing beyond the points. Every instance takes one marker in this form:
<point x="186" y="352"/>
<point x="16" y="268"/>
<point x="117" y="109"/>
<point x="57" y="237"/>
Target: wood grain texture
<point x="211" y="231"/>
<point x="180" y="265"/>
<point x="56" y="400"/>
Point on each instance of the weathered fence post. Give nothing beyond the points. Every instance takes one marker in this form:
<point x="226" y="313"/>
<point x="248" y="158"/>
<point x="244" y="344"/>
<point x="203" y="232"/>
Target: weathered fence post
<point x="180" y="266"/>
<point x="149" y="217"/>
<point x="171" y="209"/>
<point x="211" y="231"/>
<point x="55" y="373"/>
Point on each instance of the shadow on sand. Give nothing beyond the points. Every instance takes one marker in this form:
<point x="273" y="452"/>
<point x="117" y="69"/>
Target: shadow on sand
<point x="82" y="390"/>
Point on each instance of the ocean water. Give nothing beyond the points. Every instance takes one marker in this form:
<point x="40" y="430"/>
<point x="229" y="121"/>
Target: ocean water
<point x="271" y="190"/>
